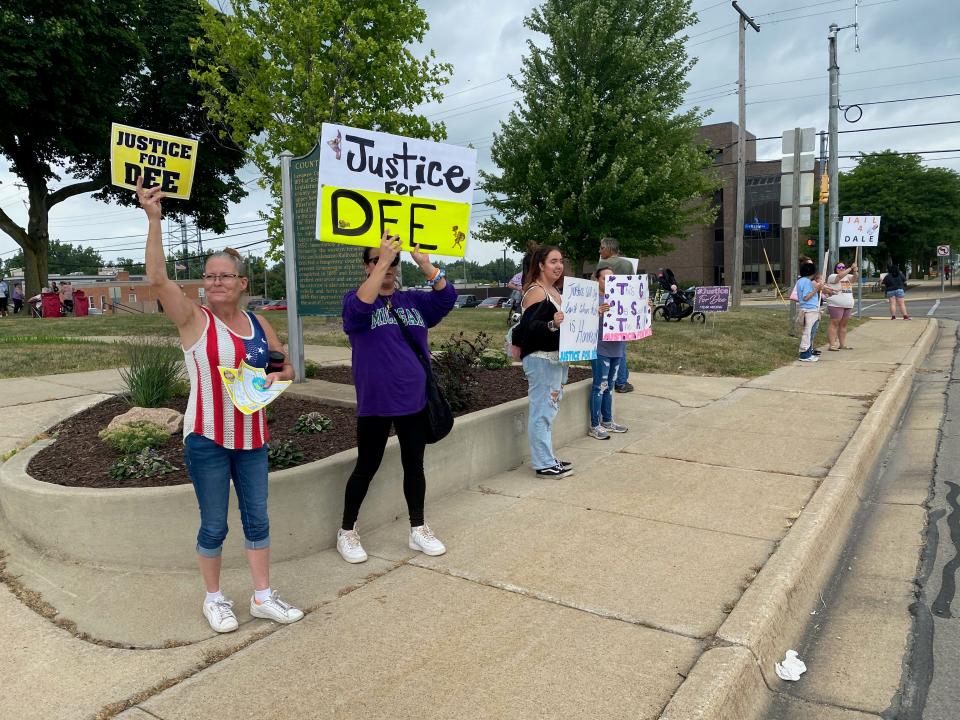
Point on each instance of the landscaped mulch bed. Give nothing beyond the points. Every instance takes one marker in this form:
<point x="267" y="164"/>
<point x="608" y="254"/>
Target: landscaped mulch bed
<point x="493" y="386"/>
<point x="78" y="458"/>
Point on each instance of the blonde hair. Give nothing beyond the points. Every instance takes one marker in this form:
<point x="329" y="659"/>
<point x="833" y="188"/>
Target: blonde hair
<point x="234" y="256"/>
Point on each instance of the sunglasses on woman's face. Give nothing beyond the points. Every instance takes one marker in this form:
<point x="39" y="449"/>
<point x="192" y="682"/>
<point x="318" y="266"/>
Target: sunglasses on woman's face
<point x="396" y="260"/>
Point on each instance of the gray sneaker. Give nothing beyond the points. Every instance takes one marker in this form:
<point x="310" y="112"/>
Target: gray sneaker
<point x="598" y="433"/>
<point x="612" y="427"/>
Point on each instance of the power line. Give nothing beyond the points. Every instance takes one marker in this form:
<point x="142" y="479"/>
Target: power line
<point x="852" y="90"/>
<point x="925" y="97"/>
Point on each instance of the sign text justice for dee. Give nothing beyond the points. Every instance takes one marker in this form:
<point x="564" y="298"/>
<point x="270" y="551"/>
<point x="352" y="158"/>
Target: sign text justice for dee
<point x="417" y="189"/>
<point x="165" y="160"/>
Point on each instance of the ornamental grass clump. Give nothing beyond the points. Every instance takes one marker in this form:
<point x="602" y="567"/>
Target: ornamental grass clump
<point x="154" y="374"/>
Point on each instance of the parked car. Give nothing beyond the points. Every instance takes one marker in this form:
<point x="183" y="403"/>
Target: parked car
<point x="494" y="302"/>
<point x="275" y="305"/>
<point x="466" y="301"/>
<point x="258" y="303"/>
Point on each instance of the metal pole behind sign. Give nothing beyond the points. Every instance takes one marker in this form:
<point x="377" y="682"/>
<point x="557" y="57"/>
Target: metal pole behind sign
<point x="858" y="261"/>
<point x="294" y="324"/>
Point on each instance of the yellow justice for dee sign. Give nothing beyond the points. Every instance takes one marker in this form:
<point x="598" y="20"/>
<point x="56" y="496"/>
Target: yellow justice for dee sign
<point x="165" y="160"/>
<point x="370" y="182"/>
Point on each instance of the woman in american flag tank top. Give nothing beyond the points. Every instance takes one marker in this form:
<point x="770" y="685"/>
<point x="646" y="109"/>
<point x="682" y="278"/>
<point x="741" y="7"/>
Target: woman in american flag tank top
<point x="220" y="442"/>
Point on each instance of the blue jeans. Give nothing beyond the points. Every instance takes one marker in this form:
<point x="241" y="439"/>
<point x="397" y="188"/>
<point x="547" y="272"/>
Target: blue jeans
<point x="545" y="380"/>
<point x="211" y="466"/>
<point x="601" y="394"/>
<point x="622" y="373"/>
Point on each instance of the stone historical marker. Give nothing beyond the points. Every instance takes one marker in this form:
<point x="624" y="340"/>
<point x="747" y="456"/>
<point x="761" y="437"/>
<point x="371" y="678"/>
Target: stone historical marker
<point x="325" y="271"/>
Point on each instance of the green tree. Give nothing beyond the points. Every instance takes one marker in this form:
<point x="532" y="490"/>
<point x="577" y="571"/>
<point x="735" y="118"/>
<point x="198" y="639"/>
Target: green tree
<point x="64" y="258"/>
<point x="597" y="145"/>
<point x="71" y="68"/>
<point x="919" y="206"/>
<point x="301" y="63"/>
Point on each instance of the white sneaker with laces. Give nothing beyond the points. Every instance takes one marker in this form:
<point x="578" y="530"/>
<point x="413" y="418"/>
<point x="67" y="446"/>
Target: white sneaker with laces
<point x="273" y="608"/>
<point x="423" y="539"/>
<point x="220" y="615"/>
<point x="348" y="544"/>
<point x="598" y="432"/>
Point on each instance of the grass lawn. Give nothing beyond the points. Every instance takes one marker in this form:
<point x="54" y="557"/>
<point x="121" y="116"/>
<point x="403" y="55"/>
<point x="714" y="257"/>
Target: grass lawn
<point x="747" y="342"/>
<point x="24" y="356"/>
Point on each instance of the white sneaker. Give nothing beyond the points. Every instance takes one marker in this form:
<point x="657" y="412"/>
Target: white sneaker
<point x="423" y="539"/>
<point x="273" y="608"/>
<point x="348" y="544"/>
<point x="219" y="614"/>
<point x="812" y="358"/>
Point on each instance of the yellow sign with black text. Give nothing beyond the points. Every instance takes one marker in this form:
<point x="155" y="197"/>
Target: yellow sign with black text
<point x="359" y="217"/>
<point x="161" y="160"/>
<point x="419" y="190"/>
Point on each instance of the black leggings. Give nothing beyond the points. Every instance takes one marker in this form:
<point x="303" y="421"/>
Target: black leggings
<point x="372" y="433"/>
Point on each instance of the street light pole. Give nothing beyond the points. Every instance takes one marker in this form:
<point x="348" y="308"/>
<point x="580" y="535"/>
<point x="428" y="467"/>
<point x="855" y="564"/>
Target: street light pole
<point x="737" y="280"/>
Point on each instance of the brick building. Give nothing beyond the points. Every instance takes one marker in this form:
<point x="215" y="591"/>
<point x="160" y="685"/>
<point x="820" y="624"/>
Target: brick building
<point x="707" y="251"/>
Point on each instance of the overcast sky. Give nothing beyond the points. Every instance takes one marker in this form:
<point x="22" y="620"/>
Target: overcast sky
<point x="908" y="49"/>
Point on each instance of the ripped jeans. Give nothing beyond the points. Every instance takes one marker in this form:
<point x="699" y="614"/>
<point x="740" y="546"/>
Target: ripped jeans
<point x="545" y="380"/>
<point x="605" y="371"/>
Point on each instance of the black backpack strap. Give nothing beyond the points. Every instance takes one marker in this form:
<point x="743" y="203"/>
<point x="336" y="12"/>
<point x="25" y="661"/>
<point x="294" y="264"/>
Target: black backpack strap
<point x="408" y="336"/>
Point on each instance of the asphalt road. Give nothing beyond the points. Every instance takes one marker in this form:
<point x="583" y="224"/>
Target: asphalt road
<point x="948" y="308"/>
<point x="931" y="690"/>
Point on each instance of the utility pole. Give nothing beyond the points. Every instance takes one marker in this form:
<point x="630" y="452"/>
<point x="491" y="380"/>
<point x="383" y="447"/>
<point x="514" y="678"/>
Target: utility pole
<point x="736" y="281"/>
<point x="834" y="140"/>
<point x="821" y="230"/>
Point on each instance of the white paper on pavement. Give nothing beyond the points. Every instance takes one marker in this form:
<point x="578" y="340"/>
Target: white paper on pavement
<point x="791" y="668"/>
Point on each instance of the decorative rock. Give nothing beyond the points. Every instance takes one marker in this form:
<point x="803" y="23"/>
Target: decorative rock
<point x="165" y="417"/>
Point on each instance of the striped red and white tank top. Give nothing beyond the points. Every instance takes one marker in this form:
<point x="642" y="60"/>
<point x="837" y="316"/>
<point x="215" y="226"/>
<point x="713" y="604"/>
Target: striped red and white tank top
<point x="210" y="412"/>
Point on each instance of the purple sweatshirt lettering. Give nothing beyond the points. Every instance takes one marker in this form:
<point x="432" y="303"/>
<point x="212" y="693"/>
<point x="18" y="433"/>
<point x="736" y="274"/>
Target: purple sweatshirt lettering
<point x="387" y="374"/>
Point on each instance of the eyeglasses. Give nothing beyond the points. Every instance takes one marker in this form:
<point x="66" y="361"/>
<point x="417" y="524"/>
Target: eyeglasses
<point x="396" y="260"/>
<point x="223" y="277"/>
<point x="841" y="266"/>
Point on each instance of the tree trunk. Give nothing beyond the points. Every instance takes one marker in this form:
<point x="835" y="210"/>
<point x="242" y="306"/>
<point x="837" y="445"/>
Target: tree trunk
<point x="37" y="248"/>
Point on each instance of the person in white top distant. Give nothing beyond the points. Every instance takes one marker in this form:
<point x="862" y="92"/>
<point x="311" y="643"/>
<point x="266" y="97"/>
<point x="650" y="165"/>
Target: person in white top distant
<point x="840" y="304"/>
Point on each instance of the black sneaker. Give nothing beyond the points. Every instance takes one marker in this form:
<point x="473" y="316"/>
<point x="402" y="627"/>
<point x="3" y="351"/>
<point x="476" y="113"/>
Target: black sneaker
<point x="625" y="388"/>
<point x="556" y="472"/>
<point x="817" y="352"/>
<point x="564" y="464"/>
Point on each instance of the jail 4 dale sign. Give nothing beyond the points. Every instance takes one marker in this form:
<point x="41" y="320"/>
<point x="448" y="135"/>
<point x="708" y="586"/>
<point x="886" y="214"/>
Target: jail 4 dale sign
<point x="372" y="181"/>
<point x="860" y="230"/>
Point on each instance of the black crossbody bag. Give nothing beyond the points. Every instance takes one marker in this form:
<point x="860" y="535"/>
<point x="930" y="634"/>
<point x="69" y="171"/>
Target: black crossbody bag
<point x="439" y="414"/>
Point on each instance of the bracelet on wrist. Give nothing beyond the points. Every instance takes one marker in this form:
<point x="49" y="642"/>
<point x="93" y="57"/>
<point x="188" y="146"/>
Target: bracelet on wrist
<point x="436" y="277"/>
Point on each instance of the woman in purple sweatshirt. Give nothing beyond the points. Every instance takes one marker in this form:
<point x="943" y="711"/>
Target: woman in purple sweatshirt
<point x="391" y="384"/>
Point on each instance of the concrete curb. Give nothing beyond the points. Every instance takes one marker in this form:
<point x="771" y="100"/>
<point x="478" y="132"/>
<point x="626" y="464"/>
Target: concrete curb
<point x="112" y="527"/>
<point x="729" y="682"/>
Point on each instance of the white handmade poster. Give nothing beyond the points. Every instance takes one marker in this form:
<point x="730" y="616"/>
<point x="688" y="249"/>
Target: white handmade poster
<point x="629" y="315"/>
<point x="580" y="329"/>
<point x="860" y="230"/>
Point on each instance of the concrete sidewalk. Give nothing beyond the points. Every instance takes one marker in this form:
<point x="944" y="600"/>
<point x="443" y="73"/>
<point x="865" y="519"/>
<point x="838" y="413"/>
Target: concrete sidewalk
<point x="590" y="596"/>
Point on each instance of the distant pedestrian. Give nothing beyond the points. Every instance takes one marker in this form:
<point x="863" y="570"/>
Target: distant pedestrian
<point x="610" y="355"/>
<point x="220" y="442"/>
<point x="895" y="287"/>
<point x="4" y="291"/>
<point x="17" y="299"/>
<point x="610" y="258"/>
<point x="840" y="305"/>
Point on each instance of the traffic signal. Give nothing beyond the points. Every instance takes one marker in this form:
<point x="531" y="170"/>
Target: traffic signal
<point x="824" y="188"/>
<point x="809" y="242"/>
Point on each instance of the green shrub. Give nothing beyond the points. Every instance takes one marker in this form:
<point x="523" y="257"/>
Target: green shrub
<point x="284" y="455"/>
<point x="453" y="366"/>
<point x="312" y="422"/>
<point x="153" y="374"/>
<point x="311" y="369"/>
<point x="493" y="360"/>
<point x="147" y="463"/>
<point x="135" y="437"/>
